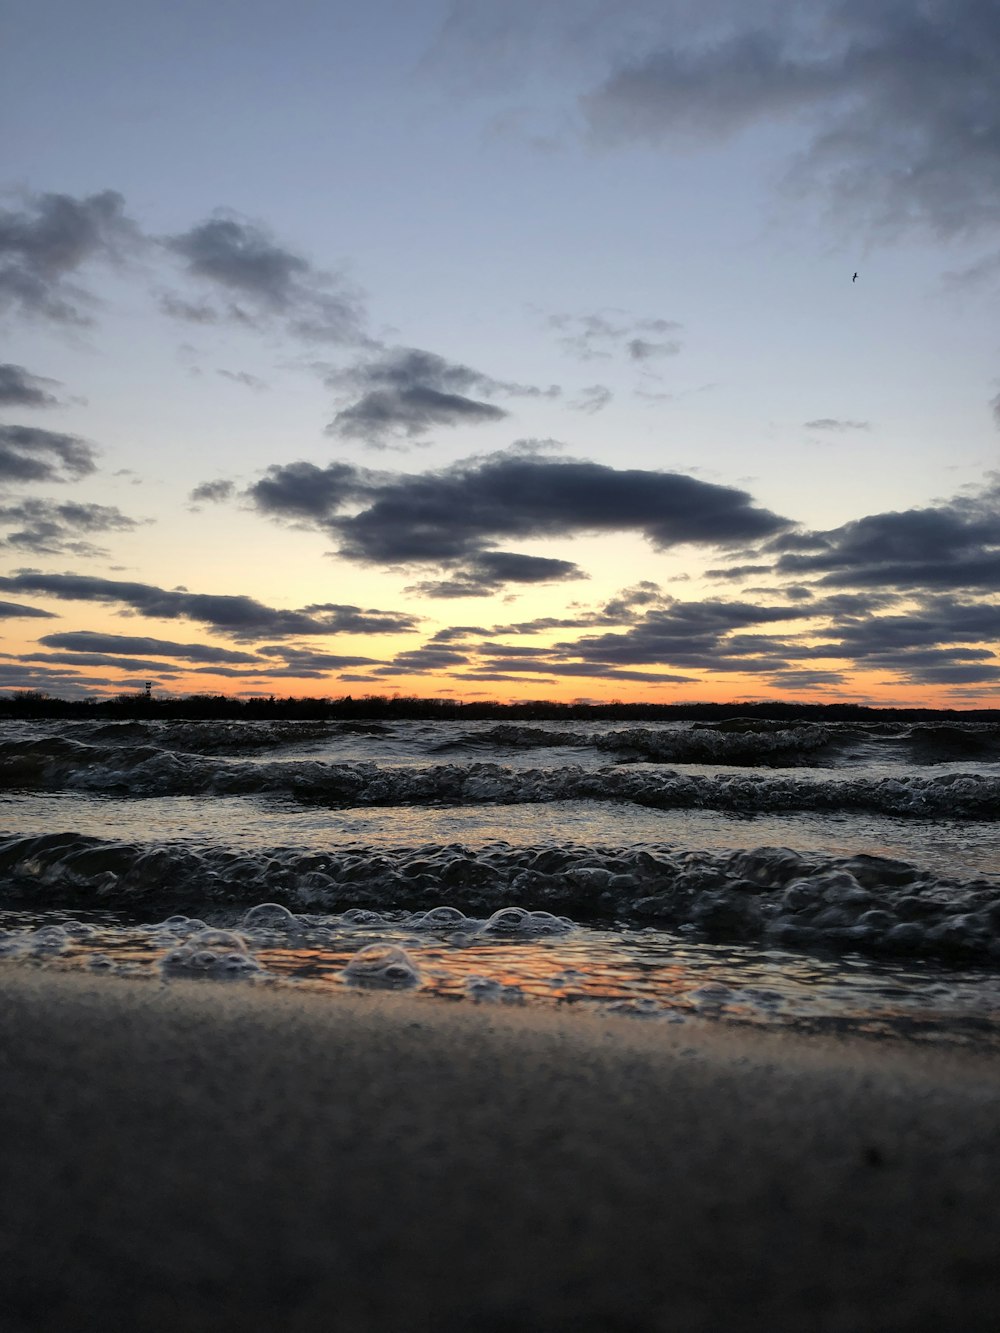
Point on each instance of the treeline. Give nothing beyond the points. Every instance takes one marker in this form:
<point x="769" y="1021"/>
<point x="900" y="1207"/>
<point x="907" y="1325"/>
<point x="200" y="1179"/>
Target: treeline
<point x="381" y="707"/>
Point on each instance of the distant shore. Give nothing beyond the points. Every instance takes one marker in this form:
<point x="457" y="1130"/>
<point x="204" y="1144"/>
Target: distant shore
<point x="216" y="1157"/>
<point x="389" y="708"/>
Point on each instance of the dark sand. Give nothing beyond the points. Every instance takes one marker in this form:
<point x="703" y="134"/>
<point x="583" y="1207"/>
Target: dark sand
<point x="205" y="1156"/>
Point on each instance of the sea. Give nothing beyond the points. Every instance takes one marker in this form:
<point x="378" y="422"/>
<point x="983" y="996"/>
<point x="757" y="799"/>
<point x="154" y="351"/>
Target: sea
<point x="821" y="876"/>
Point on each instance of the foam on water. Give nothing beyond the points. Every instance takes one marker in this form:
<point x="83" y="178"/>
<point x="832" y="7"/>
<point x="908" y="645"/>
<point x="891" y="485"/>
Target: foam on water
<point x="646" y="973"/>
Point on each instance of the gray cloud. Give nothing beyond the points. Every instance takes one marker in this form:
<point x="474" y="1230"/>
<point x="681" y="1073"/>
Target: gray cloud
<point x="298" y="660"/>
<point x="383" y="413"/>
<point x="613" y="332"/>
<point x="493" y="570"/>
<point x="454" y="517"/>
<point x="192" y="312"/>
<point x="242" y="377"/>
<point x="28" y="453"/>
<point x="407" y="391"/>
<point x="899" y="99"/>
<point x="594" y="398"/>
<point x="52" y="237"/>
<point x="685" y="634"/>
<point x="954" y="545"/>
<point x="213" y="492"/>
<point x="19" y="388"/>
<point x="641" y="349"/>
<point x="44" y="527"/>
<point x="89" y="641"/>
<point x="835" y="424"/>
<point x="236" y="616"/>
<point x="13" y="610"/>
<point x="262" y="281"/>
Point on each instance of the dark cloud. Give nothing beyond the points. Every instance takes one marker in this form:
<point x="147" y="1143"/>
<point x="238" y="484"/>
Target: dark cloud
<point x="213" y="492"/>
<point x="298" y="660"/>
<point x="19" y="388"/>
<point x="346" y="619"/>
<point x="491" y="667"/>
<point x="384" y="413"/>
<point x="12" y="610"/>
<point x="493" y="570"/>
<point x="28" y="453"/>
<point x="424" y="659"/>
<point x="103" y="660"/>
<point x="262" y="280"/>
<point x="899" y="100"/>
<point x="407" y="391"/>
<point x="89" y="641"/>
<point x="16" y="675"/>
<point x="236" y="616"/>
<point x="686" y="634"/>
<point x="43" y="527"/>
<point x="305" y="493"/>
<point x="453" y="518"/>
<point x="52" y="237"/>
<point x="954" y="545"/>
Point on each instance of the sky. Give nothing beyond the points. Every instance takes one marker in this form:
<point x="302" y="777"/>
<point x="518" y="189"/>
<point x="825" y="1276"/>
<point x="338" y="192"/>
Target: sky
<point x="476" y="350"/>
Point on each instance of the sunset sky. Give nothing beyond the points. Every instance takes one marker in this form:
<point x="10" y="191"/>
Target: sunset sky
<point x="496" y="349"/>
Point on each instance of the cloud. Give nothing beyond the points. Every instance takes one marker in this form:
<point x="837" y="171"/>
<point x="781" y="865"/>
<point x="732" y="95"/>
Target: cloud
<point x="88" y="641"/>
<point x="242" y="377"/>
<point x="898" y="100"/>
<point x="954" y="545"/>
<point x="685" y="634"/>
<point x="44" y="527"/>
<point x="384" y="413"/>
<point x="236" y="616"/>
<point x="494" y="570"/>
<point x="834" y="424"/>
<point x="594" y="398"/>
<point x="193" y="312"/>
<point x="407" y="391"/>
<point x="641" y="349"/>
<point x="346" y="619"/>
<point x="19" y="388"/>
<point x="262" y="280"/>
<point x="610" y="332"/>
<point x="28" y="453"/>
<point x="13" y="610"/>
<point x="453" y="518"/>
<point x="213" y="492"/>
<point x="52" y="237"/>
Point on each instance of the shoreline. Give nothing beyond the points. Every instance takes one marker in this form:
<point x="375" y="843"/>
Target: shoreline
<point x="200" y="1155"/>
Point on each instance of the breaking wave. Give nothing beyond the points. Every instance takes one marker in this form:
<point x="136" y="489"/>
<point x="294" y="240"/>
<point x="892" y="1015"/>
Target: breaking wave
<point x="146" y="770"/>
<point x="773" y="895"/>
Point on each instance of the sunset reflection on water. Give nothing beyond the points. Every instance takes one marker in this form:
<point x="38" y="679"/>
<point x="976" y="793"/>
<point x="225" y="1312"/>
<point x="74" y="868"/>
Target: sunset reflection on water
<point x="669" y="976"/>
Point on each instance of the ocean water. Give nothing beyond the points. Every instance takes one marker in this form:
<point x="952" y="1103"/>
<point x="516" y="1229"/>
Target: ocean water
<point x="831" y="877"/>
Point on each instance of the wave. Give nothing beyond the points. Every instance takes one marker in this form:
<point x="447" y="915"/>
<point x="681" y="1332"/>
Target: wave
<point x="773" y="895"/>
<point x="146" y="770"/>
<point x="221" y="736"/>
<point x="776" y="745"/>
<point x="751" y="742"/>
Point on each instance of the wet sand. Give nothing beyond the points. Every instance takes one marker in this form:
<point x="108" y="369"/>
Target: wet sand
<point x="208" y="1156"/>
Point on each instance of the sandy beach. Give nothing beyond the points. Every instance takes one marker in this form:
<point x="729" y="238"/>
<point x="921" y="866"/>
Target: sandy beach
<point x="204" y="1156"/>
